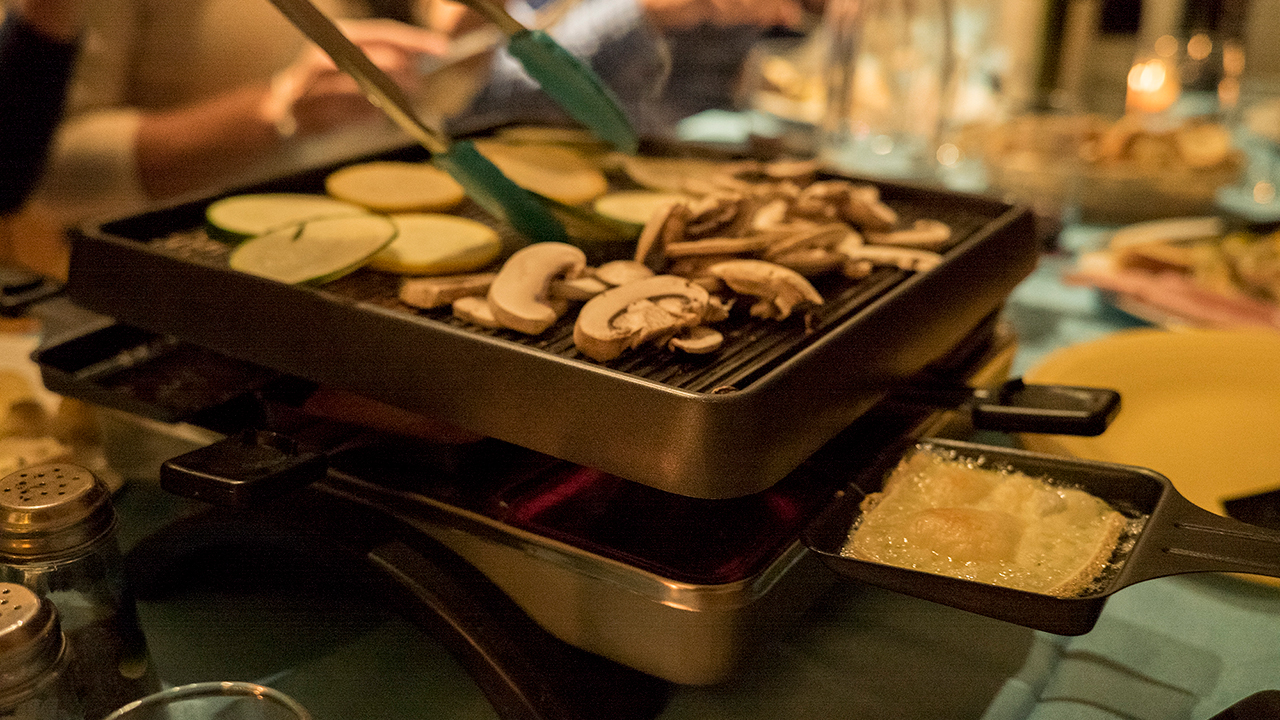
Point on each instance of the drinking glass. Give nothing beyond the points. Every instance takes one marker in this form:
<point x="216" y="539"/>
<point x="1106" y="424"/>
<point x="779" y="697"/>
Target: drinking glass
<point x="214" y="701"/>
<point x="887" y="71"/>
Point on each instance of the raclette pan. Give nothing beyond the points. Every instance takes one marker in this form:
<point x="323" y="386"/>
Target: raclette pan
<point x="1178" y="537"/>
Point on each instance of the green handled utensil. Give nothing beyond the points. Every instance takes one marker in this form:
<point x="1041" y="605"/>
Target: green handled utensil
<point x="483" y="181"/>
<point x="564" y="77"/>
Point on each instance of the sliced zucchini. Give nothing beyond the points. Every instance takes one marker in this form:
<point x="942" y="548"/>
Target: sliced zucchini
<point x="558" y="172"/>
<point x="243" y="216"/>
<point x="315" y="251"/>
<point x="436" y="244"/>
<point x="635" y="206"/>
<point x="392" y="186"/>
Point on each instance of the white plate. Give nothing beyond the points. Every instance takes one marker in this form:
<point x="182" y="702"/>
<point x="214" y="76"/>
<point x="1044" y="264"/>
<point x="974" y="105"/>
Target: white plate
<point x="1201" y="407"/>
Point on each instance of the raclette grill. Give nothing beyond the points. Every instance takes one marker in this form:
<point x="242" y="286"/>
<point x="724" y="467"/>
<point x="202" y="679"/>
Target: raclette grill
<point x="648" y="510"/>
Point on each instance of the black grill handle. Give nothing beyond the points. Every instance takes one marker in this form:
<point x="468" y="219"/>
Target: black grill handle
<point x="1017" y="406"/>
<point x="253" y="465"/>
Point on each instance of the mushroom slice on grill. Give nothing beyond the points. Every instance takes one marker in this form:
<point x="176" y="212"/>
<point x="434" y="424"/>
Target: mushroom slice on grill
<point x="628" y="316"/>
<point x="665" y="227"/>
<point x="779" y="289"/>
<point x="697" y="340"/>
<point x="621" y="272"/>
<point x="476" y="310"/>
<point x="520" y="294"/>
<point x="924" y="233"/>
<point x="434" y="292"/>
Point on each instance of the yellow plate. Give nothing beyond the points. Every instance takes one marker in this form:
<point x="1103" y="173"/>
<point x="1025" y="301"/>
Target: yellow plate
<point x="1201" y="407"/>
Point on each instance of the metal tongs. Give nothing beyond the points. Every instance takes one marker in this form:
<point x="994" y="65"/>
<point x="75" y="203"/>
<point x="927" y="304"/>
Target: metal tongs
<point x="567" y="80"/>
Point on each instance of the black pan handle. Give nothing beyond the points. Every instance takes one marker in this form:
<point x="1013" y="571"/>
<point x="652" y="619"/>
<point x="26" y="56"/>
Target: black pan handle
<point x="21" y="288"/>
<point x="252" y="465"/>
<point x="1183" y="537"/>
<point x="1016" y="406"/>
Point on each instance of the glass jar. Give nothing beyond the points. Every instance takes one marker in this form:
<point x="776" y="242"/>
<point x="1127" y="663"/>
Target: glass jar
<point x="57" y="538"/>
<point x="34" y="680"/>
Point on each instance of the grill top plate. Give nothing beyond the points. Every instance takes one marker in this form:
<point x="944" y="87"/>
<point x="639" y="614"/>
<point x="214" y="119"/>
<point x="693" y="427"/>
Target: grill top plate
<point x="717" y="426"/>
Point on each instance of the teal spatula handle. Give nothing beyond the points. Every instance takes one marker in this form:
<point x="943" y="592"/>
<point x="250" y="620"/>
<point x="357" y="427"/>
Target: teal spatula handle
<point x="574" y="86"/>
<point x="497" y="194"/>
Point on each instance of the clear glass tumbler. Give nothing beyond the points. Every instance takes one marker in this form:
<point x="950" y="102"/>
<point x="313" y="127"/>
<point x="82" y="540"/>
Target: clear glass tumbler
<point x="214" y="701"/>
<point x="888" y="67"/>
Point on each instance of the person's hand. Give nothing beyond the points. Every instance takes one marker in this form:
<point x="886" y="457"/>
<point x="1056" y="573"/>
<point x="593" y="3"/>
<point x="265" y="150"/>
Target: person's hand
<point x="313" y="96"/>
<point x="684" y="14"/>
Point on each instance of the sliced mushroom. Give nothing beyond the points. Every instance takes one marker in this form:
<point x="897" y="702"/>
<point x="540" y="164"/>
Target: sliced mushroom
<point x="819" y="237"/>
<point x="579" y="289"/>
<point x="770" y="214"/>
<point x="434" y="292"/>
<point x="664" y="227"/>
<point x="718" y="246"/>
<point x="621" y="272"/>
<point x="695" y="266"/>
<point x="780" y="290"/>
<point x="822" y="200"/>
<point x="627" y="316"/>
<point x="865" y="209"/>
<point x="713" y="213"/>
<point x="476" y="310"/>
<point x="924" y="233"/>
<point x="802" y="171"/>
<point x="900" y="257"/>
<point x="856" y="251"/>
<point x="810" y="262"/>
<point x="520" y="294"/>
<point x="697" y="340"/>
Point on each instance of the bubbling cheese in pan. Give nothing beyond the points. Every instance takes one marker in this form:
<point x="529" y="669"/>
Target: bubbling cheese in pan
<point x="955" y="517"/>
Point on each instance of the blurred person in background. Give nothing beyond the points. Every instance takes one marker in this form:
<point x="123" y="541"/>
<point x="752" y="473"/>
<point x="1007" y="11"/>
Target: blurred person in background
<point x="179" y="96"/>
<point x="38" y="41"/>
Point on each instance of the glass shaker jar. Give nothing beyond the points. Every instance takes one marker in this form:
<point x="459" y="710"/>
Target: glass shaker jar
<point x="34" y="679"/>
<point x="57" y="538"/>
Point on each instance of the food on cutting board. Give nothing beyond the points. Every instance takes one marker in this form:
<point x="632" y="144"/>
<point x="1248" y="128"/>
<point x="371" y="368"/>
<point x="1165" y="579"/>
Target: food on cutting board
<point x="395" y="186"/>
<point x="1114" y="170"/>
<point x="437" y="244"/>
<point x="1212" y="279"/>
<point x="949" y="515"/>
<point x="241" y="216"/>
<point x="1133" y="142"/>
<point x="315" y="251"/>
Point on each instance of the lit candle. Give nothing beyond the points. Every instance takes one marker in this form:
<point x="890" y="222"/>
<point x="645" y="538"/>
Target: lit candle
<point x="1152" y="86"/>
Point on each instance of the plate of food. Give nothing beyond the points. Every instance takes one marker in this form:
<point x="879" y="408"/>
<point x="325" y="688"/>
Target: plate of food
<point x="1112" y="170"/>
<point x="1198" y="406"/>
<point x="1188" y="272"/>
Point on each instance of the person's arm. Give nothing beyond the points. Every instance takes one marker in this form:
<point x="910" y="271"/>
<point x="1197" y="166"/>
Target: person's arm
<point x="187" y="148"/>
<point x="113" y="156"/>
<point x="37" y="52"/>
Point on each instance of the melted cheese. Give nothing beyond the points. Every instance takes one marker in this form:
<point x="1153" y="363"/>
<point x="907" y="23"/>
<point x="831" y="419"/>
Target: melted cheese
<point x="952" y="517"/>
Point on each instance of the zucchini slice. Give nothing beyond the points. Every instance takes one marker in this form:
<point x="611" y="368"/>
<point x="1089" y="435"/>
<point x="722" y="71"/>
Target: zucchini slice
<point x="392" y="186"/>
<point x="248" y="215"/>
<point x="636" y="206"/>
<point x="315" y="251"/>
<point x="437" y="244"/>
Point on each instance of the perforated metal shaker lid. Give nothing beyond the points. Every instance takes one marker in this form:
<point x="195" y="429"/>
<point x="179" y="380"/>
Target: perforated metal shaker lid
<point x="31" y="641"/>
<point x="50" y="509"/>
